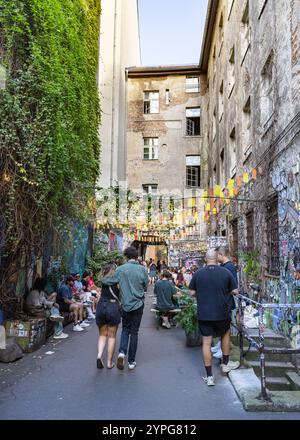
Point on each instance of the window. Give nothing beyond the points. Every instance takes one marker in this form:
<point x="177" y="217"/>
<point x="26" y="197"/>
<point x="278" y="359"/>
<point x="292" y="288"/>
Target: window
<point x="245" y="32"/>
<point x="150" y="189"/>
<point x="193" y="121"/>
<point x="234" y="238"/>
<point x="221" y="101"/>
<point x="150" y="148"/>
<point x="168" y="97"/>
<point x="273" y="237"/>
<point x="231" y="72"/>
<point x="151" y="102"/>
<point x="221" y="33"/>
<point x="214" y="130"/>
<point x="192" y="84"/>
<point x="261" y="7"/>
<point x="250" y="231"/>
<point x="193" y="172"/>
<point x="222" y="168"/>
<point x="230" y="8"/>
<point x="246" y="127"/>
<point x="232" y="152"/>
<point x="267" y="91"/>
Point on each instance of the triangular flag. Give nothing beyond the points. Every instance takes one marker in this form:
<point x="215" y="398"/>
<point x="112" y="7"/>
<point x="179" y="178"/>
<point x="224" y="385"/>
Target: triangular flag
<point x="239" y="180"/>
<point x="245" y="177"/>
<point x="230" y="184"/>
<point x="217" y="191"/>
<point x="207" y="207"/>
<point x="254" y="174"/>
<point x="236" y="191"/>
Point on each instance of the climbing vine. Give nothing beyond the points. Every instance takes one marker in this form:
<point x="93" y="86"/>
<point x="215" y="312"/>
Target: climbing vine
<point x="49" y="113"/>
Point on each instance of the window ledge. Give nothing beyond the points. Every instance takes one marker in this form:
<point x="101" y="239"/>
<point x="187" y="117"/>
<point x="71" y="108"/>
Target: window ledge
<point x="275" y="277"/>
<point x="268" y="123"/>
<point x="196" y="136"/>
<point x="150" y="160"/>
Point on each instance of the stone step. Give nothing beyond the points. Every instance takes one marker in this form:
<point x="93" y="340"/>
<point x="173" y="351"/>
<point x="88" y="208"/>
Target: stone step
<point x="253" y="354"/>
<point x="273" y="368"/>
<point x="271" y="339"/>
<point x="294" y="378"/>
<point x="278" y="384"/>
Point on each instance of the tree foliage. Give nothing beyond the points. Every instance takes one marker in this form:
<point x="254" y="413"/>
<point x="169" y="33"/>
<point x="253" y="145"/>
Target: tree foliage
<point x="49" y="113"/>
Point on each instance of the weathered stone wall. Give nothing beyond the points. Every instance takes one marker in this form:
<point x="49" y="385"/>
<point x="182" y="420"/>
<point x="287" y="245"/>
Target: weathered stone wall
<point x="273" y="143"/>
<point x="169" y="125"/>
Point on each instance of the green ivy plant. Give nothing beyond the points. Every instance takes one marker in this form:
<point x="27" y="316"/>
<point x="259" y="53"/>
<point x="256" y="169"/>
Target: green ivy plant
<point x="101" y="257"/>
<point x="50" y="114"/>
<point x="187" y="318"/>
<point x="251" y="265"/>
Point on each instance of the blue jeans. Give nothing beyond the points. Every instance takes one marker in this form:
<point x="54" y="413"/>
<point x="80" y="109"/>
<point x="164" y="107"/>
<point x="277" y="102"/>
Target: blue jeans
<point x="58" y="327"/>
<point x="131" y="322"/>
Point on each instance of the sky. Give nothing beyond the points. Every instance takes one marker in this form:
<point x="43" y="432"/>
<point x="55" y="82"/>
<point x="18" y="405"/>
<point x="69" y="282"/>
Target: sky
<point x="171" y="31"/>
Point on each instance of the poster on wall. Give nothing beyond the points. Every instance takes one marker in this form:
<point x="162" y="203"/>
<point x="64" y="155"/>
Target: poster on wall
<point x="214" y="242"/>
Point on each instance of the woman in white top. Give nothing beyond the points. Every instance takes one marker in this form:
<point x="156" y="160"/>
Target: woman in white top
<point x="37" y="304"/>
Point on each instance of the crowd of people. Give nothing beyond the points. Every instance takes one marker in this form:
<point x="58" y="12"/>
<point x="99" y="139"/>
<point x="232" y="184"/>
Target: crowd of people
<point x="77" y="296"/>
<point x="121" y="298"/>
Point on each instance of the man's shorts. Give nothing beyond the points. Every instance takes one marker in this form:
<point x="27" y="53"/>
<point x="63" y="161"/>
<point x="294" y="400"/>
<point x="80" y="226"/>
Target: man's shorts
<point x="64" y="307"/>
<point x="214" y="328"/>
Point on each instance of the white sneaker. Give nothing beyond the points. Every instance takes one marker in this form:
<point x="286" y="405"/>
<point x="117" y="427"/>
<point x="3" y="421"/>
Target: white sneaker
<point x="209" y="381"/>
<point x="216" y="348"/>
<point x="92" y="316"/>
<point x="61" y="336"/>
<point x="121" y="361"/>
<point x="132" y="366"/>
<point x="230" y="366"/>
<point x="77" y="328"/>
<point x="218" y="354"/>
<point x="84" y="324"/>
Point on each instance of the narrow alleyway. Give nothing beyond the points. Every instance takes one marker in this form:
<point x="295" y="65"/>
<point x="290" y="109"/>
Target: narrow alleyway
<point x="165" y="385"/>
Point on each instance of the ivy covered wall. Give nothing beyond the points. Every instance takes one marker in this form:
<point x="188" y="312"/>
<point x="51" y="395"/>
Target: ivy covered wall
<point x="49" y="120"/>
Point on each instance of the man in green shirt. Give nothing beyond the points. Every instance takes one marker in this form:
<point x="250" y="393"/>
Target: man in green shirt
<point x="133" y="281"/>
<point x="165" y="293"/>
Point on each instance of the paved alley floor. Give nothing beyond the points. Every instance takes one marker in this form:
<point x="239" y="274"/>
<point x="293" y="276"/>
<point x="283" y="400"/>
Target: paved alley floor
<point x="166" y="385"/>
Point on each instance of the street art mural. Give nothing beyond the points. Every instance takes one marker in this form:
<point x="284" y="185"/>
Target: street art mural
<point x="287" y="289"/>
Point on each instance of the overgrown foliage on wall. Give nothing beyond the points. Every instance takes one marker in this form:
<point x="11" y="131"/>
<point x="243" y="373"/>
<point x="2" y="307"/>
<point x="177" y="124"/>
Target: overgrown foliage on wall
<point x="49" y="119"/>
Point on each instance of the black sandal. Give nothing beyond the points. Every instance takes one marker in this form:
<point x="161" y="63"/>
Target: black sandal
<point x="112" y="366"/>
<point x="100" y="364"/>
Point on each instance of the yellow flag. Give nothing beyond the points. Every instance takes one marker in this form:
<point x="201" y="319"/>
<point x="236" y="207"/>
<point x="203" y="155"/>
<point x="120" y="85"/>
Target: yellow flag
<point x="217" y="191"/>
<point x="207" y="206"/>
<point x="231" y="192"/>
<point x="230" y="184"/>
<point x="245" y="177"/>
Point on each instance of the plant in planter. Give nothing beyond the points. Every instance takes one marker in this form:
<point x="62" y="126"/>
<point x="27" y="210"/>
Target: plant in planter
<point x="188" y="320"/>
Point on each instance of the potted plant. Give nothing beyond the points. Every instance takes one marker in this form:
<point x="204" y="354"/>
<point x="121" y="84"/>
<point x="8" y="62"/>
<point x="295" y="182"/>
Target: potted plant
<point x="188" y="320"/>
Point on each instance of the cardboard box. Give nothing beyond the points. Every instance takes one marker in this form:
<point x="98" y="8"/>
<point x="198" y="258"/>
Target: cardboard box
<point x="30" y="334"/>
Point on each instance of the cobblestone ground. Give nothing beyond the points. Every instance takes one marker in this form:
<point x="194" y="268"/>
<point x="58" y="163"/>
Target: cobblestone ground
<point x="166" y="384"/>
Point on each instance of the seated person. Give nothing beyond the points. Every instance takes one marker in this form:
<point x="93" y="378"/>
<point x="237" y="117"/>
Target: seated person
<point x="91" y="294"/>
<point x="80" y="295"/>
<point x="165" y="293"/>
<point x="38" y="305"/>
<point x="67" y="304"/>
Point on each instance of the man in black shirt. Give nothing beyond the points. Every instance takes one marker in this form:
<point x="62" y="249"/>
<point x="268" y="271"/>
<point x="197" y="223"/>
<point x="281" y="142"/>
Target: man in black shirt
<point x="225" y="261"/>
<point x="213" y="285"/>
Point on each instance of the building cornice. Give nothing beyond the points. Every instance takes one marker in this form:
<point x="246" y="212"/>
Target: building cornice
<point x="208" y="33"/>
<point x="141" y="72"/>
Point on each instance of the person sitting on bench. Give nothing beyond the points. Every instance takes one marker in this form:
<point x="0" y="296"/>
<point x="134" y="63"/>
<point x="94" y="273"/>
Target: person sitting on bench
<point x="165" y="293"/>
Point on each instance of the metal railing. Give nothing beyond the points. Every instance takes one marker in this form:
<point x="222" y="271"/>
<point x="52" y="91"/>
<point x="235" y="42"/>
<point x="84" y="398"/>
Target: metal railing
<point x="260" y="344"/>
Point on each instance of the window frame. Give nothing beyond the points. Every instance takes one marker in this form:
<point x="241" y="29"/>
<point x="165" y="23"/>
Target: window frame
<point x="152" y="147"/>
<point x="189" y="121"/>
<point x="148" y="101"/>
<point x="192" y="89"/>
